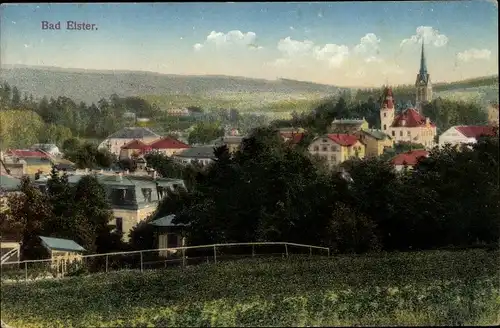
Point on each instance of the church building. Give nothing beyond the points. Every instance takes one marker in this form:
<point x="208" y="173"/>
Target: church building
<point x="410" y="125"/>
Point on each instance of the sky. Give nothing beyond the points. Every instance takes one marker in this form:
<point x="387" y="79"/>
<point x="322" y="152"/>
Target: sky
<point x="340" y="43"/>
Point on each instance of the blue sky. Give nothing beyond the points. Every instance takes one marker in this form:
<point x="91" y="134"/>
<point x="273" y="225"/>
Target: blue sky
<point x="343" y="43"/>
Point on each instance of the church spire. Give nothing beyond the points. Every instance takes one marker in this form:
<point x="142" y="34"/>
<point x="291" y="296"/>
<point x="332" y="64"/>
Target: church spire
<point x="423" y="65"/>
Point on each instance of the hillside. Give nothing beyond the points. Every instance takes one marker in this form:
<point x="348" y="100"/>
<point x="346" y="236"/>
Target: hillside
<point x="92" y="85"/>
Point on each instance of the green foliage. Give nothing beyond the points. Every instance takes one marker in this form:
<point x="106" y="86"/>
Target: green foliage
<point x="410" y="289"/>
<point x="447" y="113"/>
<point x="87" y="155"/>
<point x="204" y="133"/>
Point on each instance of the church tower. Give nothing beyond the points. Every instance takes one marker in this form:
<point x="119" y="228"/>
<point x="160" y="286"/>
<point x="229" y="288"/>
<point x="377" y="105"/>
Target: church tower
<point x="387" y="110"/>
<point x="423" y="83"/>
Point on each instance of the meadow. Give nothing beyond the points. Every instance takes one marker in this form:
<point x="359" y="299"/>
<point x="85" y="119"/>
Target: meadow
<point x="420" y="288"/>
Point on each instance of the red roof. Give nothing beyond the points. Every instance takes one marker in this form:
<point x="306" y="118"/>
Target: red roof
<point x="294" y="137"/>
<point x="27" y="153"/>
<point x="474" y="131"/>
<point x="343" y="139"/>
<point x="412" y="119"/>
<point x="388" y="98"/>
<point x="168" y="143"/>
<point x="410" y="157"/>
<point x="135" y="144"/>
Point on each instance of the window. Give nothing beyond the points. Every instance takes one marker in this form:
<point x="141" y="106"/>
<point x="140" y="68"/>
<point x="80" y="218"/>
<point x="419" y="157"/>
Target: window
<point x="316" y="148"/>
<point x="393" y="133"/>
<point x="325" y="148"/>
<point x="119" y="224"/>
<point x="401" y="133"/>
<point x="324" y="140"/>
<point x="408" y="133"/>
<point x="334" y="158"/>
<point x="146" y="192"/>
<point x="385" y="127"/>
<point x="385" y="114"/>
<point x="334" y="148"/>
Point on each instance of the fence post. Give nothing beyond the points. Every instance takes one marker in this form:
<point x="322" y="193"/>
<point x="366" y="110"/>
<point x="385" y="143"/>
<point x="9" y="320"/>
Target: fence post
<point x="328" y="249"/>
<point x="183" y="244"/>
<point x="141" y="260"/>
<point x="310" y="251"/>
<point x="107" y="263"/>
<point x="215" y="254"/>
<point x="253" y="250"/>
<point x="26" y="271"/>
<point x="286" y="250"/>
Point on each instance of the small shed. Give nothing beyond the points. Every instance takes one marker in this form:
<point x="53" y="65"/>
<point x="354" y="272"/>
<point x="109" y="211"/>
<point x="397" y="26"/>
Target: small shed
<point x="62" y="252"/>
<point x="169" y="234"/>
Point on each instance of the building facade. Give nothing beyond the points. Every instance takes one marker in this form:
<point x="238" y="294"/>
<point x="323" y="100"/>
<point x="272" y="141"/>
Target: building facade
<point x="337" y="148"/>
<point x="464" y="134"/>
<point x="375" y="141"/>
<point x="117" y="140"/>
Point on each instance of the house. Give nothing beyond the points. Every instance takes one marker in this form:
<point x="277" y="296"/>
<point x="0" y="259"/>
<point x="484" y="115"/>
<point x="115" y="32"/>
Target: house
<point x="51" y="149"/>
<point x="203" y="155"/>
<point x="132" y="197"/>
<point x="337" y="148"/>
<point x="63" y="252"/>
<point x="465" y="134"/>
<point x="408" y="159"/>
<point x="28" y="161"/>
<point x="133" y="148"/>
<point x="117" y="140"/>
<point x="407" y="126"/>
<point x="232" y="142"/>
<point x="168" y="146"/>
<point x="348" y="125"/>
<point x="493" y="114"/>
<point x="178" y="112"/>
<point x="168" y="234"/>
<point x="375" y="141"/>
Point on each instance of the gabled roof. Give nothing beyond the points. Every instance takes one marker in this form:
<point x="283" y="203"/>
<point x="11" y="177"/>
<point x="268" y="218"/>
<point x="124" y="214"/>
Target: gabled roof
<point x="168" y="143"/>
<point x="388" y="99"/>
<point x="411" y="118"/>
<point x="410" y="157"/>
<point x="134" y="144"/>
<point x="133" y="133"/>
<point x="23" y="153"/>
<point x="346" y="140"/>
<point x="377" y="134"/>
<point x="474" y="131"/>
<point x="58" y="244"/>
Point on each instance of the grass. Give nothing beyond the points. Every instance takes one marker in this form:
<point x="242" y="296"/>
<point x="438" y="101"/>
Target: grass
<point x="429" y="288"/>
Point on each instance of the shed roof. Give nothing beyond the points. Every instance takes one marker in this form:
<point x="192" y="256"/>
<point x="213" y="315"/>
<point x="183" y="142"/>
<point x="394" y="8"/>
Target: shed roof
<point x="58" y="244"/>
<point x="197" y="152"/>
<point x="166" y="221"/>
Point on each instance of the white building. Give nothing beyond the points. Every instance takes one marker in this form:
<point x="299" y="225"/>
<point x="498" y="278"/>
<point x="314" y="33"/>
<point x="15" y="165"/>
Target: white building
<point x="464" y="134"/>
<point x="51" y="149"/>
<point x="203" y="155"/>
<point x="117" y="140"/>
<point x="407" y="126"/>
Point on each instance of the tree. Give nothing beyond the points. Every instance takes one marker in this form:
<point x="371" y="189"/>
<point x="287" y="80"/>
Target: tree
<point x="30" y="208"/>
<point x="205" y="132"/>
<point x="16" y="97"/>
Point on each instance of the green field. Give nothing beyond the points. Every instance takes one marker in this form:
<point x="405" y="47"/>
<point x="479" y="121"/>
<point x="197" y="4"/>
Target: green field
<point x="428" y="288"/>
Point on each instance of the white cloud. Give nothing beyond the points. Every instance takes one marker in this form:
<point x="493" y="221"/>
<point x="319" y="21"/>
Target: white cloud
<point x="292" y="28"/>
<point x="368" y="47"/>
<point x="473" y="54"/>
<point x="429" y="35"/>
<point x="230" y="39"/>
<point x="293" y="50"/>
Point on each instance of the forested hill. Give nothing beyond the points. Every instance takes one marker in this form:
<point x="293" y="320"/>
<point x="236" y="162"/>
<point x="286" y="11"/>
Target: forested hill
<point x="92" y="85"/>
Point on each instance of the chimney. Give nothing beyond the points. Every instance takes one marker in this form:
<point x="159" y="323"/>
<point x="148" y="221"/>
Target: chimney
<point x="403" y="122"/>
<point x="427" y="121"/>
<point x="154" y="175"/>
<point x="126" y="172"/>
